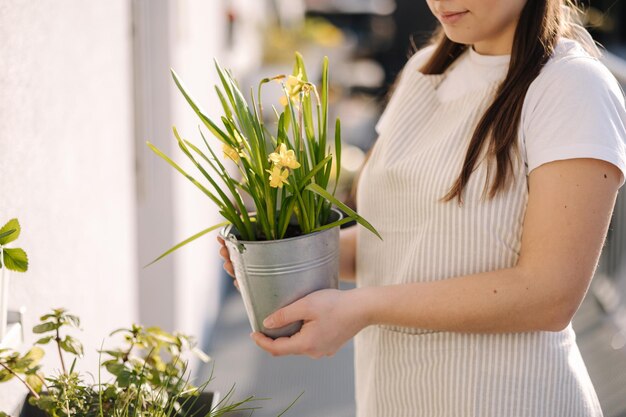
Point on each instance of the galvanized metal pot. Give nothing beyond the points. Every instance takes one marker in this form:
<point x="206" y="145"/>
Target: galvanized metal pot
<point x="273" y="274"/>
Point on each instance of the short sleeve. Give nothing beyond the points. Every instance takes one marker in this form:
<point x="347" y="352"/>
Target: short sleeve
<point x="575" y="109"/>
<point x="413" y="64"/>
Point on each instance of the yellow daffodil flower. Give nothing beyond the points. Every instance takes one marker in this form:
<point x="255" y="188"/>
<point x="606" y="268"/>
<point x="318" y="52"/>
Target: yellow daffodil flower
<point x="230" y="153"/>
<point x="284" y="158"/>
<point x="278" y="177"/>
<point x="294" y="85"/>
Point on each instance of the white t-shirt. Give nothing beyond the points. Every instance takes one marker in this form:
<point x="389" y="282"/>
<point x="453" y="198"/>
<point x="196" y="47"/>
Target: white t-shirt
<point x="574" y="109"/>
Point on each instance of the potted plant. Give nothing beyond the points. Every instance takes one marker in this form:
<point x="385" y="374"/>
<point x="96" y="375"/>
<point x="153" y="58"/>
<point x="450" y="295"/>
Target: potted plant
<point x="288" y="245"/>
<point x="11" y="259"/>
<point x="149" y="376"/>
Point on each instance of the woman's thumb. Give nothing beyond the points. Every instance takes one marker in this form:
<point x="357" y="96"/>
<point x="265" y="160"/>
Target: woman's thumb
<point x="284" y="316"/>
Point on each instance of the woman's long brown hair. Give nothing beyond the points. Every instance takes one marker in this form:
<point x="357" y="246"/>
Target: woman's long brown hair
<point x="540" y="25"/>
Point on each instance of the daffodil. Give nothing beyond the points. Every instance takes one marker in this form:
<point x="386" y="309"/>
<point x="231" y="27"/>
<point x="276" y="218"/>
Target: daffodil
<point x="278" y="177"/>
<point x="284" y="158"/>
<point x="294" y="85"/>
<point x="230" y="153"/>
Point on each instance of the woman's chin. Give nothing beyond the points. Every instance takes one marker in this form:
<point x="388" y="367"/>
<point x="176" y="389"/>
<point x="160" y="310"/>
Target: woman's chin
<point x="456" y="37"/>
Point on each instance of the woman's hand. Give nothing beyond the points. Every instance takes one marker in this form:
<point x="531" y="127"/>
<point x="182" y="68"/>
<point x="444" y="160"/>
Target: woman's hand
<point x="331" y="318"/>
<point x="228" y="265"/>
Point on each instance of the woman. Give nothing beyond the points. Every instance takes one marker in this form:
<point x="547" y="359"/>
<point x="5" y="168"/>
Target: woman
<point x="492" y="184"/>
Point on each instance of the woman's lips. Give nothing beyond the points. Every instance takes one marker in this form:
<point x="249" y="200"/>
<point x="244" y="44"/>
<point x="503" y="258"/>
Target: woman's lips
<point x="452" y="17"/>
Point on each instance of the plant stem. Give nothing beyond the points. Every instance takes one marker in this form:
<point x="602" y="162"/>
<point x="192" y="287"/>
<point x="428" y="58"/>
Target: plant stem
<point x="58" y="341"/>
<point x="12" y="372"/>
<point x="127" y="354"/>
<point x="43" y="381"/>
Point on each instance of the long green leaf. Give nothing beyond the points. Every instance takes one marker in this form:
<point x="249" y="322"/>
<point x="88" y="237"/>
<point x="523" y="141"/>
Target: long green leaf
<point x="324" y="99"/>
<point x="318" y="167"/>
<point x="226" y="178"/>
<point x="286" y="211"/>
<point x="186" y="175"/>
<point x="333" y="224"/>
<point x="337" y="152"/>
<point x="191" y="239"/>
<point x="224" y="198"/>
<point x="213" y="128"/>
<point x="227" y="111"/>
<point x="351" y="213"/>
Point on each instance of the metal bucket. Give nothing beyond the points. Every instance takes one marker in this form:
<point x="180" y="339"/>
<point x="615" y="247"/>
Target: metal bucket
<point x="273" y="274"/>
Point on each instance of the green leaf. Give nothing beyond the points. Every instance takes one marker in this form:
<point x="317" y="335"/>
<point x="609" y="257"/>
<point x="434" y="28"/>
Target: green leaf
<point x="333" y="224"/>
<point x="10" y="231"/>
<point x="71" y="345"/>
<point x="201" y="355"/>
<point x="15" y="259"/>
<point x="35" y="382"/>
<point x="337" y="151"/>
<point x="45" y="327"/>
<point x="7" y="233"/>
<point x="351" y="213"/>
<point x="115" y="368"/>
<point x="124" y="378"/>
<point x="71" y="319"/>
<point x="324" y="98"/>
<point x="44" y="340"/>
<point x="5" y="375"/>
<point x="118" y="354"/>
<point x="314" y="171"/>
<point x="185" y="174"/>
<point x="191" y="239"/>
<point x="213" y="128"/>
<point x="30" y="359"/>
<point x="34" y="355"/>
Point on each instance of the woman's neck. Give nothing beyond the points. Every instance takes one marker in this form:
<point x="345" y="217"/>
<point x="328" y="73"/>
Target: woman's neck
<point x="498" y="45"/>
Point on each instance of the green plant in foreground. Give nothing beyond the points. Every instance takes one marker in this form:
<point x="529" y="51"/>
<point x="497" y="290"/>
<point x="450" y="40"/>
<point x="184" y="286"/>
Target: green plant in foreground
<point x="150" y="377"/>
<point x="286" y="174"/>
<point x="14" y="259"/>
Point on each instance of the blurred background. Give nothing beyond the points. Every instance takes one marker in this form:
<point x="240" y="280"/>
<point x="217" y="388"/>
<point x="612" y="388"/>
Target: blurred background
<point x="84" y="84"/>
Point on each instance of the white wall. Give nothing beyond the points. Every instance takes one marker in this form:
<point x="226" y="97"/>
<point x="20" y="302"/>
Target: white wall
<point x="181" y="292"/>
<point x="83" y="85"/>
<point x="198" y="38"/>
<point x="66" y="162"/>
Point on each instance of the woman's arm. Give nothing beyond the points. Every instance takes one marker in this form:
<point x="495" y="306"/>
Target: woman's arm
<point x="569" y="209"/>
<point x="568" y="213"/>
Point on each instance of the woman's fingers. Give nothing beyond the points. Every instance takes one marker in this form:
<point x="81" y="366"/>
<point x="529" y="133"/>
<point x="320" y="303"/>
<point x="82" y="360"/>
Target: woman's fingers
<point x="228" y="265"/>
<point x="282" y="346"/>
<point x="290" y="314"/>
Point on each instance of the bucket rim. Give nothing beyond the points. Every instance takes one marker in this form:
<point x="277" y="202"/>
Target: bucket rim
<point x="224" y="233"/>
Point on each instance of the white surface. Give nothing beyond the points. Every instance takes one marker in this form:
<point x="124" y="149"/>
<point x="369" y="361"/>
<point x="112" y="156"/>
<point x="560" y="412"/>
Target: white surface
<point x="197" y="41"/>
<point x="180" y="292"/>
<point x="13" y="337"/>
<point x="66" y="164"/>
<point x="4" y="297"/>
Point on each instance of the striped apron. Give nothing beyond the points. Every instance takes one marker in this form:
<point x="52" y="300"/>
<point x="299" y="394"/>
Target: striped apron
<point x="405" y="372"/>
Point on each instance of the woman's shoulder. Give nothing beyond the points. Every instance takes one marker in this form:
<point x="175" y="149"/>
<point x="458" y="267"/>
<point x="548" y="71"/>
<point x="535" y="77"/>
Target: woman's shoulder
<point x="572" y="75"/>
<point x="419" y="58"/>
<point x="573" y="70"/>
<point x="574" y="109"/>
